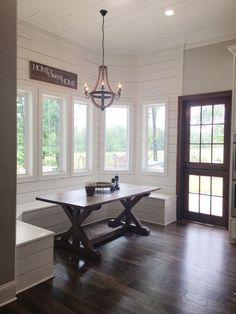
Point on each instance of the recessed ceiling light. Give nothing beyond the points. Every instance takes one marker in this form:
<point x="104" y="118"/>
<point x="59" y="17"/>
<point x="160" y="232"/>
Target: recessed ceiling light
<point x="169" y="12"/>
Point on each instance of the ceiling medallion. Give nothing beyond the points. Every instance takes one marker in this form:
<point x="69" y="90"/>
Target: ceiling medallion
<point x="102" y="95"/>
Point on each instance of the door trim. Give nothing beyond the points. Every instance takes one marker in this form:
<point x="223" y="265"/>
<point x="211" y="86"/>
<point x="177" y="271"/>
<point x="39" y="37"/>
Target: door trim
<point x="181" y="133"/>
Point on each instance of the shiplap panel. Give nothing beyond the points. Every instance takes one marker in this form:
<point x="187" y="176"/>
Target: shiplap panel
<point x="159" y="77"/>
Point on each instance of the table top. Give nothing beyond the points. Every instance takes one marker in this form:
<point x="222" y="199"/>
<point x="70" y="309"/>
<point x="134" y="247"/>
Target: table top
<point x="78" y="197"/>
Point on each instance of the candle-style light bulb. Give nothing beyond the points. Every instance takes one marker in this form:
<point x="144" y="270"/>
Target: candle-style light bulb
<point x="119" y="86"/>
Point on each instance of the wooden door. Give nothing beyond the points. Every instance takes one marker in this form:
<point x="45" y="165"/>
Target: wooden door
<point x="203" y="158"/>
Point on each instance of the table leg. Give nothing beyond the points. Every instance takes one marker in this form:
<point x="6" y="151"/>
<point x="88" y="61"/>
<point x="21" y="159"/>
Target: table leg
<point x="79" y="243"/>
<point x="127" y="218"/>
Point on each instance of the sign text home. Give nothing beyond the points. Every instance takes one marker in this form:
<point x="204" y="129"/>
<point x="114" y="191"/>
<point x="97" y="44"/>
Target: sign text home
<point x="45" y="73"/>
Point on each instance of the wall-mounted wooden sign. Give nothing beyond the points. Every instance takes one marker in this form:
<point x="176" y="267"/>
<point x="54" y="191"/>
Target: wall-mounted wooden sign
<point x="45" y="73"/>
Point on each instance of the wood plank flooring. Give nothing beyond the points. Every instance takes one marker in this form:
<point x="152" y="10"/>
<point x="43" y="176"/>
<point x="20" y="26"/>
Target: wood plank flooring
<point x="181" y="268"/>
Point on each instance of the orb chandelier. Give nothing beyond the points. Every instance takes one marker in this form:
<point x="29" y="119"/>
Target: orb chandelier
<point x="102" y="95"/>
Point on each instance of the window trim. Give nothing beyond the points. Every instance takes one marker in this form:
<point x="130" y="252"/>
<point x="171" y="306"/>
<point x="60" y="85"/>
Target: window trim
<point x="65" y="147"/>
<point x="89" y="138"/>
<point x="129" y="146"/>
<point x="31" y="136"/>
<point x="143" y="136"/>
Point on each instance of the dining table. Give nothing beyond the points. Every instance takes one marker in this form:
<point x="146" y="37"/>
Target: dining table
<point x="78" y="206"/>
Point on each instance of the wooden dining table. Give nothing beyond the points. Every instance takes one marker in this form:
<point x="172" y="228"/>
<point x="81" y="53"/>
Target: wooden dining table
<point x="78" y="207"/>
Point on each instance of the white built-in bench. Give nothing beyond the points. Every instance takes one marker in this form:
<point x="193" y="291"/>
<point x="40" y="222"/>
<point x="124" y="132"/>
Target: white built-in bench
<point x="158" y="208"/>
<point x="44" y="215"/>
<point x="34" y="255"/>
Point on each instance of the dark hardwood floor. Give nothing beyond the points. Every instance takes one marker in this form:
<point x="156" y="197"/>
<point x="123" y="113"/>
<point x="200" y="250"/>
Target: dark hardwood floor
<point x="182" y="268"/>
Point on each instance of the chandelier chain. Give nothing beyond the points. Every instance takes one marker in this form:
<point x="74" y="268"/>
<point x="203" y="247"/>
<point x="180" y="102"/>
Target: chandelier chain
<point x="103" y="41"/>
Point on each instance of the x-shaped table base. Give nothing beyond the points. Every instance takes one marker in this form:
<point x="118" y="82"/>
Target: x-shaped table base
<point x="76" y="240"/>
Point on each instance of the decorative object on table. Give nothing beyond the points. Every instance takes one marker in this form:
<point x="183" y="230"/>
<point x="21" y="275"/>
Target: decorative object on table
<point x="100" y="96"/>
<point x="90" y="188"/>
<point x="115" y="183"/>
<point x="117" y="187"/>
<point x="103" y="187"/>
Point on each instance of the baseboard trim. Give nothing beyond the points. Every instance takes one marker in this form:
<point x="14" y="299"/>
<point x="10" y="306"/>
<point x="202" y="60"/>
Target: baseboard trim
<point x="157" y="223"/>
<point x="34" y="284"/>
<point x="7" y="293"/>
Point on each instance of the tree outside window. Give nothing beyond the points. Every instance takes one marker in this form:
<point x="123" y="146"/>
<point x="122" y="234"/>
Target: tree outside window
<point x="51" y="134"/>
<point x="116" y="138"/>
<point x="155" y="155"/>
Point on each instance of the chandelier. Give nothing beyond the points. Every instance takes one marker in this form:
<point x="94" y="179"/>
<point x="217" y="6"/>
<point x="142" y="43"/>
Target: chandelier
<point x="102" y="95"/>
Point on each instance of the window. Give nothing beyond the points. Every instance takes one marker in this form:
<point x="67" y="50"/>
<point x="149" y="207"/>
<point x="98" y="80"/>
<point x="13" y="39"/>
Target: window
<point x="53" y="135"/>
<point x="116" y="138"/>
<point x="154" y="137"/>
<point x="80" y="137"/>
<point x="23" y="136"/>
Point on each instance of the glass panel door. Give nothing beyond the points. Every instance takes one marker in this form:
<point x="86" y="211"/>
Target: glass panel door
<point x="204" y="157"/>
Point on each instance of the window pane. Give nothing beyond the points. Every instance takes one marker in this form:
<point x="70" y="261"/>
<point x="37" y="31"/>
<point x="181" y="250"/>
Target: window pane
<point x="80" y="136"/>
<point x="219" y="113"/>
<point x="217" y="206"/>
<point x="206" y="153"/>
<point x="194" y="153"/>
<point x="218" y="154"/>
<point x="218" y="133"/>
<point x="116" y="138"/>
<point x="195" y="134"/>
<point x="205" y="185"/>
<point x="193" y="184"/>
<point x="206" y="134"/>
<point x="206" y="114"/>
<point x="156" y="137"/>
<point x="193" y="202"/>
<point x="20" y="105"/>
<point x="217" y="186"/>
<point x="195" y="115"/>
<point x="205" y="202"/>
<point x="51" y="133"/>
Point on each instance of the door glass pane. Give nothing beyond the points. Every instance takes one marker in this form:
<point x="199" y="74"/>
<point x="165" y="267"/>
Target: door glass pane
<point x="205" y="204"/>
<point x="219" y="113"/>
<point x="205" y="185"/>
<point x="193" y="202"/>
<point x="193" y="184"/>
<point x="217" y="206"/>
<point x="194" y="153"/>
<point x="195" y="115"/>
<point x="206" y="114"/>
<point x="206" y="153"/>
<point x="195" y="134"/>
<point x="217" y="186"/>
<point x="206" y="133"/>
<point x="218" y="154"/>
<point x="218" y="133"/>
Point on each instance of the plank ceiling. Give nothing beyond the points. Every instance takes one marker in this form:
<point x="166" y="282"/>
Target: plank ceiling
<point x="134" y="26"/>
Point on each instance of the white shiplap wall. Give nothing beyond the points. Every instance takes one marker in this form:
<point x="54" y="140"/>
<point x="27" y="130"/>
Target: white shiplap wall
<point x="146" y="79"/>
<point x="37" y="45"/>
<point x="159" y="78"/>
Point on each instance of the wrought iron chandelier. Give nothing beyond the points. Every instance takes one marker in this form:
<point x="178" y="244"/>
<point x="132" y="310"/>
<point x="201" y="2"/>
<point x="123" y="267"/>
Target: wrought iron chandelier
<point x="102" y="95"/>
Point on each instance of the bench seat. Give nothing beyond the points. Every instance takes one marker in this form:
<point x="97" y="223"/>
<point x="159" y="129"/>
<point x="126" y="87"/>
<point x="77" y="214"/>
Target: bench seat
<point x="158" y="208"/>
<point x="34" y="255"/>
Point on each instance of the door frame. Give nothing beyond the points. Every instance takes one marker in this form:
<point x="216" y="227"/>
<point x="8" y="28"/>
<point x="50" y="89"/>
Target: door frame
<point x="181" y="134"/>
